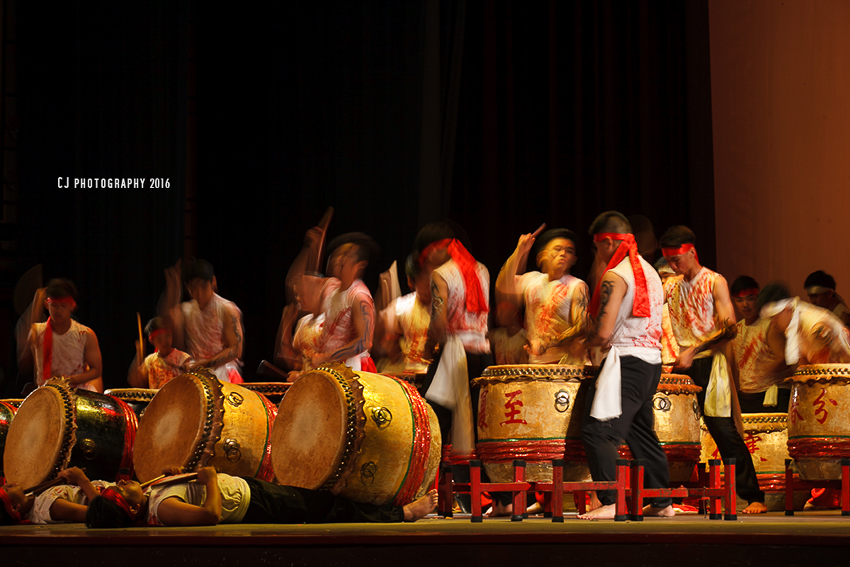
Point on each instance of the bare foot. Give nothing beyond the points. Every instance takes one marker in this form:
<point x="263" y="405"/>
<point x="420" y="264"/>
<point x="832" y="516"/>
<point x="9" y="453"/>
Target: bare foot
<point x="535" y="509"/>
<point x="755" y="508"/>
<point x="601" y="513"/>
<point x="667" y="512"/>
<point x="420" y="508"/>
<point x="499" y="510"/>
<point x="594" y="501"/>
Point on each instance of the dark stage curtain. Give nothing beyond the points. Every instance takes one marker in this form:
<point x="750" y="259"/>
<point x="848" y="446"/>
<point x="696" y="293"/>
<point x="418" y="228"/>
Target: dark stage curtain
<point x="102" y="89"/>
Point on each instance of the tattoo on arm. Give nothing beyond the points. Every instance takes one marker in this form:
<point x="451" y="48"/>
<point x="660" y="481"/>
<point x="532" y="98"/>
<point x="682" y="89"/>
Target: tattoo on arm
<point x="348" y="351"/>
<point x="605" y="290"/>
<point x="436" y="299"/>
<point x="236" y="329"/>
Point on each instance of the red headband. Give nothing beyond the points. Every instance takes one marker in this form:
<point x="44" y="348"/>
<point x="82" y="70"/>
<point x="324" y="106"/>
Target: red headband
<point x="67" y="300"/>
<point x="640" y="306"/>
<point x="680" y="250"/>
<point x="113" y="496"/>
<point x="7" y="503"/>
<point x="476" y="302"/>
<point x="746" y="292"/>
<point x="157" y="332"/>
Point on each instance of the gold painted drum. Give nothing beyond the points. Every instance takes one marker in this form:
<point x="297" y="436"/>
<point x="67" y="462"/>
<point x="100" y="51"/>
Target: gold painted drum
<point x="136" y="398"/>
<point x="532" y="412"/>
<point x="677" y="424"/>
<point x="819" y="420"/>
<point x="195" y="420"/>
<point x="368" y="437"/>
<point x="58" y="426"/>
<point x="766" y="436"/>
<point x="8" y="408"/>
<point x="274" y="391"/>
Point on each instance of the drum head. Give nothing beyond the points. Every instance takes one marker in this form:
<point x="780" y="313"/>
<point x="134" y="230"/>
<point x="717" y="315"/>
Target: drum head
<point x="309" y="434"/>
<point x="171" y="428"/>
<point x="35" y="438"/>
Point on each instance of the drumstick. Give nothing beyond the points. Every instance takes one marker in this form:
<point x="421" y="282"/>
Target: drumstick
<point x="41" y="487"/>
<point x="165" y="479"/>
<point x="141" y="339"/>
<point x="153" y="480"/>
<point x="323" y="224"/>
<point x="538" y="231"/>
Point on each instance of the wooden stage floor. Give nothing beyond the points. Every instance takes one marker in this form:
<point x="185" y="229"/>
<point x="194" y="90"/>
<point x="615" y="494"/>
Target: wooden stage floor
<point x="810" y="539"/>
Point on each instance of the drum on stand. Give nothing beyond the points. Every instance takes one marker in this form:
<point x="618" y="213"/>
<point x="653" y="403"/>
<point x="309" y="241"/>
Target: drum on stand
<point x="136" y="398"/>
<point x="369" y="437"/>
<point x="57" y="427"/>
<point x="532" y="412"/>
<point x="8" y="408"/>
<point x="819" y="420"/>
<point x="274" y="391"/>
<point x="195" y="420"/>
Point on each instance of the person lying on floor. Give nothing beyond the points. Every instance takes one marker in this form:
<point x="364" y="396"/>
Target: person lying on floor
<point x="58" y="504"/>
<point x="220" y="498"/>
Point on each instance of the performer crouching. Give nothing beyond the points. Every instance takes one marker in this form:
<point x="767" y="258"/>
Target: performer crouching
<point x="627" y="306"/>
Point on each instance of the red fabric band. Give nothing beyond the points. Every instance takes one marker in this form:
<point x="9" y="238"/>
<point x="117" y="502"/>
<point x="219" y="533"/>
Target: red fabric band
<point x="157" y="332"/>
<point x="67" y="300"/>
<point x="640" y="306"/>
<point x="7" y="503"/>
<point x="112" y="495"/>
<point x="746" y="292"/>
<point x="476" y="302"/>
<point x="684" y="248"/>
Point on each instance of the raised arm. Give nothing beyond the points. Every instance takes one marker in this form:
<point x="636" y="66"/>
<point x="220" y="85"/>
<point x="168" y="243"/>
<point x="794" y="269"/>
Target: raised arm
<point x="437" y="327"/>
<point x="507" y="281"/>
<point x="169" y="303"/>
<point x="175" y="512"/>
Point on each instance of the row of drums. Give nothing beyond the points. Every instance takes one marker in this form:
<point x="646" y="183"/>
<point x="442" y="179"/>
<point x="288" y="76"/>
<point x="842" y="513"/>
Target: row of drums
<point x="372" y="438"/>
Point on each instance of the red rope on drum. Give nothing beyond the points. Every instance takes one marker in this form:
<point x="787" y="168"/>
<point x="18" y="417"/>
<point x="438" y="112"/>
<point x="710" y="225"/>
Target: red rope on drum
<point x="819" y="447"/>
<point x="421" y="446"/>
<point x="452" y="459"/>
<point x="266" y="470"/>
<point x="525" y="449"/>
<point x="676" y="452"/>
<point x="131" y="424"/>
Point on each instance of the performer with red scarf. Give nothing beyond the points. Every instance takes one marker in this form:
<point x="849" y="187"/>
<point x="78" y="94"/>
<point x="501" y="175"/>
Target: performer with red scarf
<point x="626" y="307"/>
<point x="61" y="346"/>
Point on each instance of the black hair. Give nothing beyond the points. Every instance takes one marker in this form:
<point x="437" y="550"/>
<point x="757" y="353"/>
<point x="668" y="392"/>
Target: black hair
<point x="544" y="239"/>
<point x="366" y="247"/>
<point x="610" y="221"/>
<point x="197" y="269"/>
<point x="5" y="518"/>
<point x="432" y="232"/>
<point x="156" y="324"/>
<point x="103" y="513"/>
<point x="675" y="236"/>
<point x="774" y="291"/>
<point x="741" y="283"/>
<point x="820" y="278"/>
<point x="60" y="287"/>
<point x="411" y="266"/>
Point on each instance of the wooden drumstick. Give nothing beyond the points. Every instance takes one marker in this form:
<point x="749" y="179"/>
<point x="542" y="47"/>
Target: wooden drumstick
<point x="41" y="487"/>
<point x="153" y="480"/>
<point x="537" y="232"/>
<point x="165" y="479"/>
<point x="141" y="351"/>
<point x="316" y="263"/>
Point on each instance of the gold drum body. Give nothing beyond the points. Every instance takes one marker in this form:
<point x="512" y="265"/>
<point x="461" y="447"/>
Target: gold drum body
<point x="274" y="391"/>
<point x="369" y="437"/>
<point x="819" y="420"/>
<point x="195" y="420"/>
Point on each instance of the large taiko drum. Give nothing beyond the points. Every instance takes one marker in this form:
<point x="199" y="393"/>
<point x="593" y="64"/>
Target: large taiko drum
<point x="368" y="437"/>
<point x="195" y="420"/>
<point x="274" y="391"/>
<point x="531" y="412"/>
<point x="819" y="420"/>
<point x="8" y="408"/>
<point x="136" y="398"/>
<point x="58" y="426"/>
<point x="677" y="424"/>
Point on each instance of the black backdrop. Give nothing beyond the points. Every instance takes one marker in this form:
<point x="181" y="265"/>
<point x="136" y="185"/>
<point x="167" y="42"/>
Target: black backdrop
<point x="499" y="115"/>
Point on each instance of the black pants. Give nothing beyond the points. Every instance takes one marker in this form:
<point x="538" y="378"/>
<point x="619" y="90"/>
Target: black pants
<point x="274" y="504"/>
<point x="754" y="403"/>
<point x="635" y="426"/>
<point x="727" y="438"/>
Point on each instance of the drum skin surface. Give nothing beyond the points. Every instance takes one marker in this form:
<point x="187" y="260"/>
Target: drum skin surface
<point x="58" y="426"/>
<point x="195" y="421"/>
<point x="819" y="420"/>
<point x="368" y="437"/>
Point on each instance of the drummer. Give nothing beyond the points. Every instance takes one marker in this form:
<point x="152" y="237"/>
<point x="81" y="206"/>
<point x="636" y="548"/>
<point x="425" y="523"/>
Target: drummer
<point x="820" y="287"/>
<point x="555" y="301"/>
<point x="65" y="503"/>
<point x="61" y="346"/>
<point x="627" y="306"/>
<point x="758" y="373"/>
<point x="699" y="304"/>
<point x="296" y="351"/>
<point x="164" y="364"/>
<point x="406" y="323"/>
<point x="208" y="327"/>
<point x="219" y="498"/>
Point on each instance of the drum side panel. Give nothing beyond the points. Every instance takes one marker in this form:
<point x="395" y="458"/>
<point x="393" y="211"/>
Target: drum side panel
<point x="34" y="440"/>
<point x="308" y="437"/>
<point x="242" y="446"/>
<point x="171" y="428"/>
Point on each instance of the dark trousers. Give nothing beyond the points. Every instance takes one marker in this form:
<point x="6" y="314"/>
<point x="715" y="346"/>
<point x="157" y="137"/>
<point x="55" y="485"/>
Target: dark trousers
<point x="635" y="426"/>
<point x="475" y="365"/>
<point x="754" y="403"/>
<point x="727" y="438"/>
<point x="274" y="504"/>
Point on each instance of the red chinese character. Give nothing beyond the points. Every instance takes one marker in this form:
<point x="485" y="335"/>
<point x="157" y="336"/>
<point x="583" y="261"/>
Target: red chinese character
<point x="513" y="405"/>
<point x="820" y="406"/>
<point x="751" y="442"/>
<point x="482" y="415"/>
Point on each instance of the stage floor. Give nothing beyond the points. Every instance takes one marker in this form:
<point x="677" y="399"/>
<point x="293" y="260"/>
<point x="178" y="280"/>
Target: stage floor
<point x="771" y="539"/>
